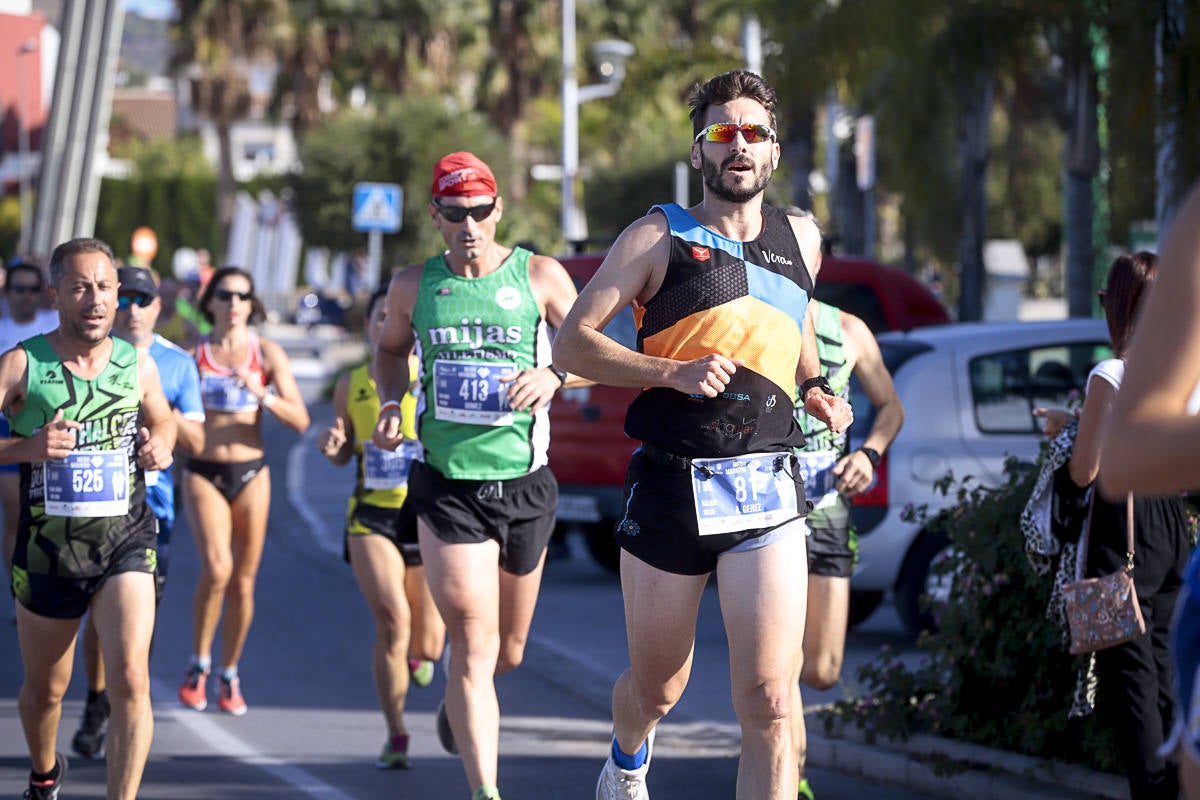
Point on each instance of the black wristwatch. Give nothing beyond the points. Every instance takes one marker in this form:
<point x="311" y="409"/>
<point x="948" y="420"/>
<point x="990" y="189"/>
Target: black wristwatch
<point x="820" y="382"/>
<point x="872" y="455"/>
<point x="560" y="374"/>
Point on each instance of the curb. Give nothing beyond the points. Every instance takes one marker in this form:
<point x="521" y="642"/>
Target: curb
<point x="984" y="773"/>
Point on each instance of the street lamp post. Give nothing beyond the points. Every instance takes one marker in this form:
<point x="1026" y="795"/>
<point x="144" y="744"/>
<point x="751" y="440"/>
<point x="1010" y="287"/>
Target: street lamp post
<point x="29" y="46"/>
<point x="611" y="55"/>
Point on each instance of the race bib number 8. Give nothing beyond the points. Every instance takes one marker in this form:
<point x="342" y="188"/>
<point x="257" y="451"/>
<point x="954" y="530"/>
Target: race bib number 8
<point x="388" y="469"/>
<point x="87" y="484"/>
<point x="742" y="492"/>
<point x="470" y="392"/>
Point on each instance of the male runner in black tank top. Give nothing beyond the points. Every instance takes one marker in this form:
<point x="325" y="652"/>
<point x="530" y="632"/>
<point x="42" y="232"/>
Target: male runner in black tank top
<point x="719" y="294"/>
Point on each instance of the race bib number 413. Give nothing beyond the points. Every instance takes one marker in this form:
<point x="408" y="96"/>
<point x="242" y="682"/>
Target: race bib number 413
<point x="470" y="392"/>
<point x="743" y="492"/>
<point x="87" y="484"/>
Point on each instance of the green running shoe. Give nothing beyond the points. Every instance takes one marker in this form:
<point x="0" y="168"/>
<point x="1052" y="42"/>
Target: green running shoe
<point x="395" y="753"/>
<point x="420" y="671"/>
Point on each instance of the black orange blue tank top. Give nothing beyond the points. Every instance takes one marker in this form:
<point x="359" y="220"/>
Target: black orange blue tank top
<point x="745" y="301"/>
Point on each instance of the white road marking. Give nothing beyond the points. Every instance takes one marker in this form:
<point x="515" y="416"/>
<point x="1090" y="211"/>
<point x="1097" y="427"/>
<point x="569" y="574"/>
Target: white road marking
<point x="296" y="477"/>
<point x="230" y="746"/>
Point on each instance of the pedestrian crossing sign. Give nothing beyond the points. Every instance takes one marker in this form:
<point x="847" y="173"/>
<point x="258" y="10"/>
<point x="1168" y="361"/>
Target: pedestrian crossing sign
<point x="377" y="207"/>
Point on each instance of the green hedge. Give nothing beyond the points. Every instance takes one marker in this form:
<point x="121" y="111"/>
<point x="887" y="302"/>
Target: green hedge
<point x="997" y="673"/>
<point x="180" y="210"/>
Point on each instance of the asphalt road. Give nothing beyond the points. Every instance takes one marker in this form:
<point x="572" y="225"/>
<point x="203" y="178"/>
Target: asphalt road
<point x="313" y="729"/>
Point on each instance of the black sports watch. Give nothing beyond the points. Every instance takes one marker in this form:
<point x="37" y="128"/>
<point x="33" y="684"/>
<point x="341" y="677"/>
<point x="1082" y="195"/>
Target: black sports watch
<point x="820" y="382"/>
<point x="872" y="455"/>
<point x="560" y="374"/>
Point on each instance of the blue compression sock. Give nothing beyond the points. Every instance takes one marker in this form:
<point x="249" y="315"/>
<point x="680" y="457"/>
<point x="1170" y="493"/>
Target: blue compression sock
<point x="628" y="762"/>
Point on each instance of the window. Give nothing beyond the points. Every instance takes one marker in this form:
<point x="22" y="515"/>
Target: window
<point x="1006" y="387"/>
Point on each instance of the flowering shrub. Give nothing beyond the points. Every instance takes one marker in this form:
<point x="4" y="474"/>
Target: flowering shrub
<point x="997" y="673"/>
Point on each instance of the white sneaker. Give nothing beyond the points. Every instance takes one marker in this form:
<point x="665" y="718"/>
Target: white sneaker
<point x="620" y="784"/>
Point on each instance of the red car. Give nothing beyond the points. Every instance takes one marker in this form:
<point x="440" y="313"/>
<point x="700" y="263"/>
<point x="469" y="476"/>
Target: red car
<point x="589" y="450"/>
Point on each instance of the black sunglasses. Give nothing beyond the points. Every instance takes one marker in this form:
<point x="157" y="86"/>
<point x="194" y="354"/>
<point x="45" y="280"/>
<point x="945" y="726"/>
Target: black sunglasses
<point x="459" y="213"/>
<point x="139" y="300"/>
<point x="226" y="295"/>
<point x="19" y="288"/>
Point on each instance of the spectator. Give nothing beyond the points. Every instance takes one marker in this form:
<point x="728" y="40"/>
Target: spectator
<point x="1135" y="679"/>
<point x="1153" y="439"/>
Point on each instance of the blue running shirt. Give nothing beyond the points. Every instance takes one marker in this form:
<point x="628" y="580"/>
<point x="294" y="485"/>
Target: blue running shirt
<point x="181" y="385"/>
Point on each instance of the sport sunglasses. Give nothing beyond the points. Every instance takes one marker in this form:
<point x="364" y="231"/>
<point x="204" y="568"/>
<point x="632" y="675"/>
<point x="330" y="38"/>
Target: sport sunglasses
<point x="126" y="300"/>
<point x="724" y="132"/>
<point x="459" y="213"/>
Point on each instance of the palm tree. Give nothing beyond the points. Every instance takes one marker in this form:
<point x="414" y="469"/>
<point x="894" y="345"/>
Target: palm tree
<point x="218" y="43"/>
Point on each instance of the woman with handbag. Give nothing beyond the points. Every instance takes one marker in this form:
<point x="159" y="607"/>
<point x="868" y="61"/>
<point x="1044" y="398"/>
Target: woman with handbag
<point x="1152" y="442"/>
<point x="1135" y="678"/>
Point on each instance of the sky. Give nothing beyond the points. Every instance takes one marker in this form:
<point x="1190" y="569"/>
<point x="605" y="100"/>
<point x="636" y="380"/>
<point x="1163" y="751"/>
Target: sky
<point x="160" y="9"/>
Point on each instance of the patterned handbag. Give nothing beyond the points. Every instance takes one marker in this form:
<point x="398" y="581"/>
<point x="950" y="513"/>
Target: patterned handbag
<point x="1103" y="612"/>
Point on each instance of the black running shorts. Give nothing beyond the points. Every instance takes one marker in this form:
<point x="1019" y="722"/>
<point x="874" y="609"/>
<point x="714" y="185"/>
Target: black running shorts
<point x="398" y="525"/>
<point x="68" y="597"/>
<point x="517" y="513"/>
<point x="659" y="524"/>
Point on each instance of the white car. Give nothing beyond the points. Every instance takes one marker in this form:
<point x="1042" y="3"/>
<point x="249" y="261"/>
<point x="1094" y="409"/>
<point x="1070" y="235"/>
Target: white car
<point x="968" y="391"/>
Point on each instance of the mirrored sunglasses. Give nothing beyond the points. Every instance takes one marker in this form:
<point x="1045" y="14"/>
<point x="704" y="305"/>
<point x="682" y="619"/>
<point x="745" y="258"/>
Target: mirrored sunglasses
<point x="724" y="132"/>
<point x="459" y="213"/>
<point x="225" y="295"/>
<point x="139" y="300"/>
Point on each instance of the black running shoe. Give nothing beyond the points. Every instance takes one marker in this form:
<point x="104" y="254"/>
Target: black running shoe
<point x="48" y="790"/>
<point x="89" y="739"/>
<point x="445" y="733"/>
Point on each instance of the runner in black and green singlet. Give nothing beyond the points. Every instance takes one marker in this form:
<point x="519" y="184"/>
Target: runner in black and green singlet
<point x="88" y="417"/>
<point x="834" y="474"/>
<point x="477" y="315"/>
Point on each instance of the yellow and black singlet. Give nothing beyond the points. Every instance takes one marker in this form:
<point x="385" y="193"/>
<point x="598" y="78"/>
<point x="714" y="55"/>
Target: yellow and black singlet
<point x="745" y="301"/>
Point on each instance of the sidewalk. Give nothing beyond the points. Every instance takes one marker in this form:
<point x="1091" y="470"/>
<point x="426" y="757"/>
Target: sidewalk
<point x="946" y="768"/>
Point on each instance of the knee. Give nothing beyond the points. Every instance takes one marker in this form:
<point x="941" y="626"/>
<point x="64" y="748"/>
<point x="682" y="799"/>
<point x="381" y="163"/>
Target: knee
<point x="764" y="704"/>
<point x="477" y="651"/>
<point x="129" y="682"/>
<point x="821" y="673"/>
<point x="654" y="698"/>
<point x="218" y="573"/>
<point x="241" y="586"/>
<point x="391" y="626"/>
<point x="41" y="692"/>
<point x="512" y="653"/>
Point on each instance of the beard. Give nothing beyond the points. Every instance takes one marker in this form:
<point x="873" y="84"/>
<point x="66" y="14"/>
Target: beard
<point x="714" y="173"/>
<point x="75" y="329"/>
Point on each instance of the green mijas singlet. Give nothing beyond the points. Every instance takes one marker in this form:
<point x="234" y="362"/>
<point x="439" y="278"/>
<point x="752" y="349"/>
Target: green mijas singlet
<point x="471" y="331"/>
<point x="109" y="407"/>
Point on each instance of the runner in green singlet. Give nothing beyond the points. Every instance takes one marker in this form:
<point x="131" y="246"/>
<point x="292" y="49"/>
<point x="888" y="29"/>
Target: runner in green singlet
<point x="88" y="418"/>
<point x="834" y="475"/>
<point x="478" y="315"/>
